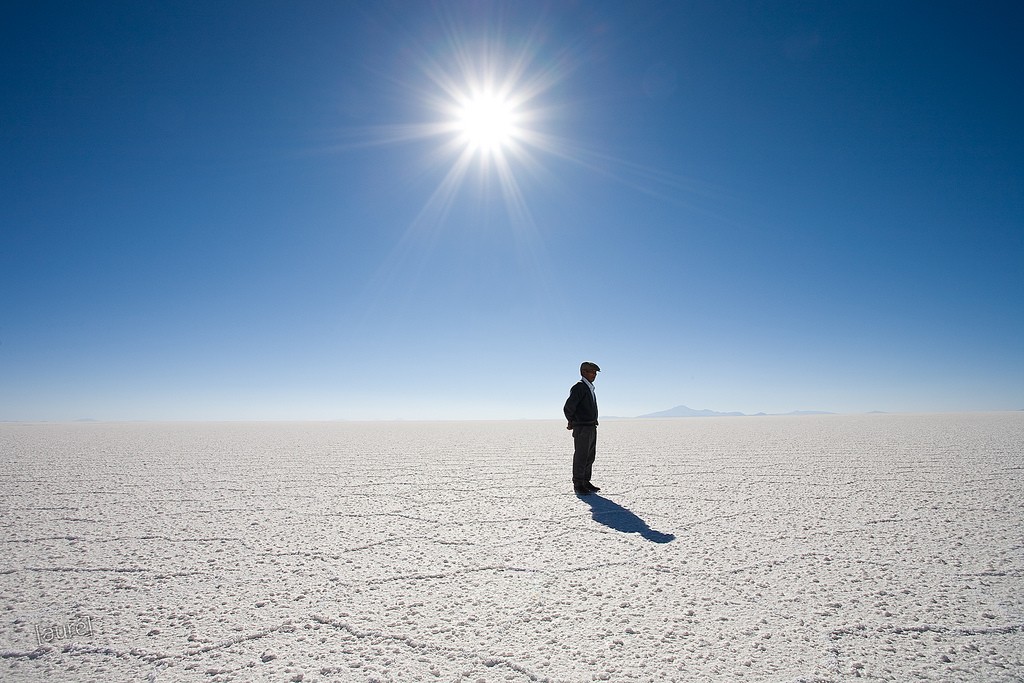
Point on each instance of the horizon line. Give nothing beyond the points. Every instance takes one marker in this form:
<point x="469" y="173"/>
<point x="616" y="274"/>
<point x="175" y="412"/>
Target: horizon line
<point x="211" y="420"/>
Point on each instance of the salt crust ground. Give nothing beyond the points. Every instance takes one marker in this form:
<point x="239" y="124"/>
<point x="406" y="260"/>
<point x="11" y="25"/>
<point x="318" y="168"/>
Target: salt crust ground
<point x="826" y="548"/>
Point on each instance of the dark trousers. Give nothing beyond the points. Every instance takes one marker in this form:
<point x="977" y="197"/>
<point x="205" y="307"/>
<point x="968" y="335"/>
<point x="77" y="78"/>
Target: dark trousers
<point x="585" y="442"/>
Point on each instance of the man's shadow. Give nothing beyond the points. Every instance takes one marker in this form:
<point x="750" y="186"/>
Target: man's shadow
<point x="614" y="516"/>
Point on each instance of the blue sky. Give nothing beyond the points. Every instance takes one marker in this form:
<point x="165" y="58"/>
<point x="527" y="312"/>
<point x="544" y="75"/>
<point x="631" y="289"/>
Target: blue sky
<point x="269" y="210"/>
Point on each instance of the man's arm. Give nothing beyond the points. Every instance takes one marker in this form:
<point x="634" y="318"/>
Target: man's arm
<point x="571" y="403"/>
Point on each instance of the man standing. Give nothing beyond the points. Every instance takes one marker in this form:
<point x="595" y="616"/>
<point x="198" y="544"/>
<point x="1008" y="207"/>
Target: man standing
<point x="581" y="412"/>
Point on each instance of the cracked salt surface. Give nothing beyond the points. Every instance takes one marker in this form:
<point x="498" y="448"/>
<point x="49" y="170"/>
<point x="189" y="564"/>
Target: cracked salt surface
<point x="783" y="549"/>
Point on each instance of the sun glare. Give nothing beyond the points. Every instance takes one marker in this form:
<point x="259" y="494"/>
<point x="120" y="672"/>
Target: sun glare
<point x="486" y="109"/>
<point x="487" y="122"/>
<point x="494" y="117"/>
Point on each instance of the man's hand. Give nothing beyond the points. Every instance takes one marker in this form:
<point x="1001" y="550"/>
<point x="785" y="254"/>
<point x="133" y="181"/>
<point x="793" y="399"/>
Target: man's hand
<point x="569" y="426"/>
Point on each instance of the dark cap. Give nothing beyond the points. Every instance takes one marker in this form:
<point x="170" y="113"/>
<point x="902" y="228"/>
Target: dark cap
<point x="587" y="365"/>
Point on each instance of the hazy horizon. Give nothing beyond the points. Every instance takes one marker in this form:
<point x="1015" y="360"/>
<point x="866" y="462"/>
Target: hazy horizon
<point x="616" y="418"/>
<point x="381" y="210"/>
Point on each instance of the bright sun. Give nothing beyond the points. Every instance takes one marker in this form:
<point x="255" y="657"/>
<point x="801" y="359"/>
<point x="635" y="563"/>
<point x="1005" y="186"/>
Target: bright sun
<point x="487" y="123"/>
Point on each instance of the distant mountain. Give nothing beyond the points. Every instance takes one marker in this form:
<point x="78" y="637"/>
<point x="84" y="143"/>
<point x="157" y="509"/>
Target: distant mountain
<point x="684" y="411"/>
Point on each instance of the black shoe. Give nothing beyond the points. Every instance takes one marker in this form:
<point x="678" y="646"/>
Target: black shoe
<point x="593" y="488"/>
<point x="582" y="490"/>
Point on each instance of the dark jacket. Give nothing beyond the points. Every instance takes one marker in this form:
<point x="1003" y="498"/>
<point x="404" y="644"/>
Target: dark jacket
<point x="581" y="408"/>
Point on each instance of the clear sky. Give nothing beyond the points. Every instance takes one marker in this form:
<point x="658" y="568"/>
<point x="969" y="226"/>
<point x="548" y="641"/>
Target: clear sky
<point x="324" y="210"/>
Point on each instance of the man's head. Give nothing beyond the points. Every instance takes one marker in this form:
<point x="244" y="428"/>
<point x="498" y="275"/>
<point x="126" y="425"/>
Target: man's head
<point x="589" y="370"/>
